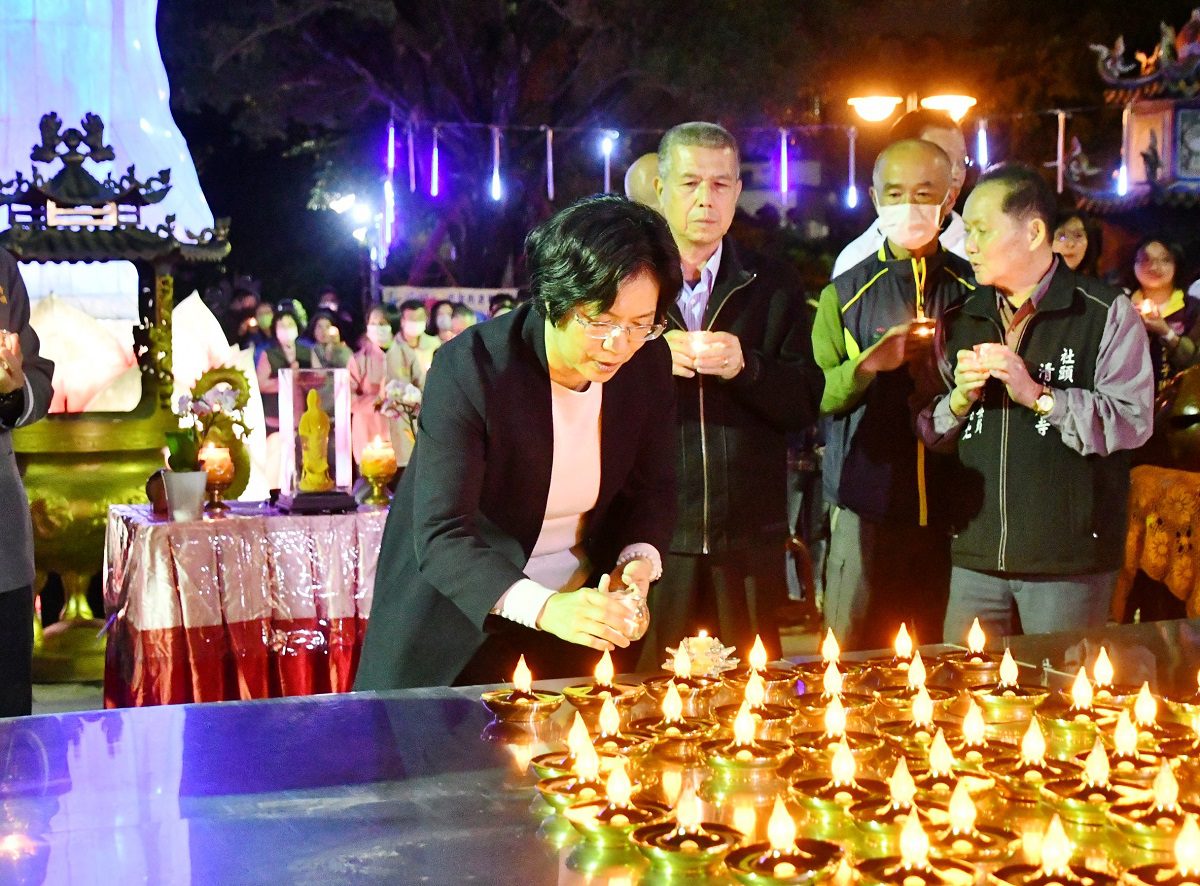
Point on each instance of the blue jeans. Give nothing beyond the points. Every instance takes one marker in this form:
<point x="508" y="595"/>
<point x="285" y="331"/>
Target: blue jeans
<point x="1007" y="605"/>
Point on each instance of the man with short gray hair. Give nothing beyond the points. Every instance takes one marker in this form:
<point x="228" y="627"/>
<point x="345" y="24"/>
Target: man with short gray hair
<point x="744" y="378"/>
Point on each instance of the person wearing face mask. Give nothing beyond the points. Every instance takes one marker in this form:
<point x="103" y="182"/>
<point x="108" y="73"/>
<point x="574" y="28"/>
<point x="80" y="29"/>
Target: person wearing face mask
<point x="413" y="322"/>
<point x="889" y="549"/>
<point x="381" y="359"/>
<point x="940" y="129"/>
<point x="441" y="321"/>
<point x="284" y="353"/>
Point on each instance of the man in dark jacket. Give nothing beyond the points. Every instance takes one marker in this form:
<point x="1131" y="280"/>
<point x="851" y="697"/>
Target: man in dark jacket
<point x="889" y="549"/>
<point x="24" y="398"/>
<point x="1050" y="387"/>
<point x="744" y="377"/>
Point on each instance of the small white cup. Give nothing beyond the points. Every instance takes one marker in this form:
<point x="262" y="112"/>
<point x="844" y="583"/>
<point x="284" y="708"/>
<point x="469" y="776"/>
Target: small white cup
<point x="185" y="494"/>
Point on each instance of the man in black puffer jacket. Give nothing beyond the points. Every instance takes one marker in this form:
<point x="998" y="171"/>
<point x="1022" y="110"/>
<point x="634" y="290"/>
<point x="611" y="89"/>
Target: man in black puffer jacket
<point x="745" y="377"/>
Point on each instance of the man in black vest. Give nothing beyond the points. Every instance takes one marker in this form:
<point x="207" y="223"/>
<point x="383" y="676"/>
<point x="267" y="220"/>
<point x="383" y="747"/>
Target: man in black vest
<point x="744" y="378"/>
<point x="889" y="546"/>
<point x="1049" y="388"/>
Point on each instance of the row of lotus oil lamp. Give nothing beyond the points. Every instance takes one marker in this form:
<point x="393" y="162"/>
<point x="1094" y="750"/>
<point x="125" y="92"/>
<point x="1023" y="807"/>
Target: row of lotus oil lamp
<point x="758" y="775"/>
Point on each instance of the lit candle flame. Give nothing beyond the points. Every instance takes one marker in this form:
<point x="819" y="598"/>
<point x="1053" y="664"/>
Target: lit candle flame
<point x="758" y="655"/>
<point x="1125" y="735"/>
<point x="1166" y="789"/>
<point x="1102" y="671"/>
<point x="973" y="725"/>
<point x="756" y="690"/>
<point x="835" y="718"/>
<point x="522" y="678"/>
<point x="672" y="706"/>
<point x="1081" y="692"/>
<point x="833" y="681"/>
<point x="1095" y="768"/>
<point x="922" y="708"/>
<point x="1145" y="708"/>
<point x="604" y="670"/>
<point x="975" y="638"/>
<point x="904" y="646"/>
<point x="962" y="810"/>
<point x="914" y="843"/>
<point x="619" y="787"/>
<point x="843" y="767"/>
<point x="916" y="672"/>
<point x="1146" y="307"/>
<point x="1187" y="848"/>
<point x="941" y="758"/>
<point x="671" y="784"/>
<point x="743" y="726"/>
<point x="901" y="786"/>
<point x="577" y="737"/>
<point x="682" y="662"/>
<point x="610" y="719"/>
<point x="1056" y="849"/>
<point x="1033" y="744"/>
<point x="587" y="763"/>
<point x="1009" y="672"/>
<point x="830" y="651"/>
<point x="687" y="811"/>
<point x="781" y="829"/>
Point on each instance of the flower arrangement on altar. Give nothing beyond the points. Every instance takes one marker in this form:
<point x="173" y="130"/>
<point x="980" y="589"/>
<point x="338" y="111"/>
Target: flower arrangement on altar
<point x="212" y="415"/>
<point x="400" y="400"/>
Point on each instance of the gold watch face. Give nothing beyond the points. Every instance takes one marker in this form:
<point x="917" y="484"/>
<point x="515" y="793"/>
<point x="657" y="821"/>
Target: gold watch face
<point x="1043" y="404"/>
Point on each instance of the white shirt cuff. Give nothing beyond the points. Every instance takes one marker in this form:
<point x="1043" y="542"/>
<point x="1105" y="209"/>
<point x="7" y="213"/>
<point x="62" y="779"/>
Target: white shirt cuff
<point x="639" y="551"/>
<point x="523" y="602"/>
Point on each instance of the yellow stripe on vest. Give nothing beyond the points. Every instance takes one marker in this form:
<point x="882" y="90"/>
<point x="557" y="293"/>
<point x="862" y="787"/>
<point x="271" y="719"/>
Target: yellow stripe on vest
<point x="852" y="348"/>
<point x="922" y="498"/>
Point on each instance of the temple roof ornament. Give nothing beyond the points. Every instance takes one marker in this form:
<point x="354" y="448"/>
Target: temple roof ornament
<point x="1171" y="70"/>
<point x="76" y="217"/>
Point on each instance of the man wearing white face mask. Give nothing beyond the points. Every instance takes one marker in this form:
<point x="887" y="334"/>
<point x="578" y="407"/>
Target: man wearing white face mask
<point x="890" y="523"/>
<point x="930" y="126"/>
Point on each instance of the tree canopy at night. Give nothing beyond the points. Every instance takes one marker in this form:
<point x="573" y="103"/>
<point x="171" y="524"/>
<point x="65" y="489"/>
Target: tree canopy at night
<point x="311" y="84"/>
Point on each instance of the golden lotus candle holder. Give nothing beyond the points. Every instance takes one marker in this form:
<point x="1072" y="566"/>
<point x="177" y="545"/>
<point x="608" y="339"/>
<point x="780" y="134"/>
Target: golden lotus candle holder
<point x="773" y="722"/>
<point x="744" y="765"/>
<point x="582" y="785"/>
<point x="944" y="774"/>
<point x="1169" y="739"/>
<point x="1183" y="871"/>
<point x="676" y="739"/>
<point x="828" y="798"/>
<point x="1105" y="692"/>
<point x="696" y="693"/>
<point x="378" y="467"/>
<point x="880" y="821"/>
<point x="685" y="847"/>
<point x="522" y="703"/>
<point x="816" y="747"/>
<point x="1008" y="704"/>
<point x="783" y="859"/>
<point x="779" y="679"/>
<point x="610" y="739"/>
<point x="1185" y="706"/>
<point x="812" y="706"/>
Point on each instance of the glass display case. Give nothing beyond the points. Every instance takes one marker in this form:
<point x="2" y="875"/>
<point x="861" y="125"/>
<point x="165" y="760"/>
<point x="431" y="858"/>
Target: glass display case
<point x="314" y="425"/>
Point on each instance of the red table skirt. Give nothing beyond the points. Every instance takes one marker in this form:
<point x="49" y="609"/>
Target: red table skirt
<point x="254" y="606"/>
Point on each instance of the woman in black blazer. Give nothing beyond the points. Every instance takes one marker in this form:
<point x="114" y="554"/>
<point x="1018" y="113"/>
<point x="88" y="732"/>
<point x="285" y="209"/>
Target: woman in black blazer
<point x="471" y="506"/>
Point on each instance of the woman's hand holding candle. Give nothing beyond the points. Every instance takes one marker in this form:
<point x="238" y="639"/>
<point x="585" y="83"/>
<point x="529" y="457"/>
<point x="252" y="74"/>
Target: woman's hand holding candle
<point x="589" y="616"/>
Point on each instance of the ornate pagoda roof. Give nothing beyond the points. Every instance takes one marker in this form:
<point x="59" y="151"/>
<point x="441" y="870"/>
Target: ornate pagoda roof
<point x="1102" y="202"/>
<point x="1171" y="70"/>
<point x="76" y="217"/>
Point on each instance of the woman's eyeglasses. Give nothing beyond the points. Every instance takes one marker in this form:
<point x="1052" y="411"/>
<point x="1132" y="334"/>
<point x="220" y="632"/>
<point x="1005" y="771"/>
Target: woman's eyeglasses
<point x="602" y="330"/>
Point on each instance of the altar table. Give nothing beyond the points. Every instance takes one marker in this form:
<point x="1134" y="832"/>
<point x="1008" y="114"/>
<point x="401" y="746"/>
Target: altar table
<point x="254" y="605"/>
<point x="1164" y="518"/>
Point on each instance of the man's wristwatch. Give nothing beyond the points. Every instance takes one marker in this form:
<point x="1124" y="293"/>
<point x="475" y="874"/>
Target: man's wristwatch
<point x="1044" y="403"/>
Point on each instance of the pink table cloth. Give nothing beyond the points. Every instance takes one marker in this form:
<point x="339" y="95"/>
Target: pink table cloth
<point x="258" y="604"/>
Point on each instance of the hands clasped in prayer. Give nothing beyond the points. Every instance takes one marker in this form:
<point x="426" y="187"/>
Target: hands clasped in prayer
<point x="705" y="353"/>
<point x="602" y="617"/>
<point x="991" y="360"/>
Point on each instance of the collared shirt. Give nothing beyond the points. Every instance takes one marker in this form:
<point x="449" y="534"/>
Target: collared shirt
<point x="693" y="300"/>
<point x="1016" y="319"/>
<point x="954" y="238"/>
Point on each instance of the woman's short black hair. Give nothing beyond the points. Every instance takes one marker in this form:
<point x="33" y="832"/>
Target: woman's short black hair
<point x="582" y="254"/>
<point x="431" y="317"/>
<point x="318" y="315"/>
